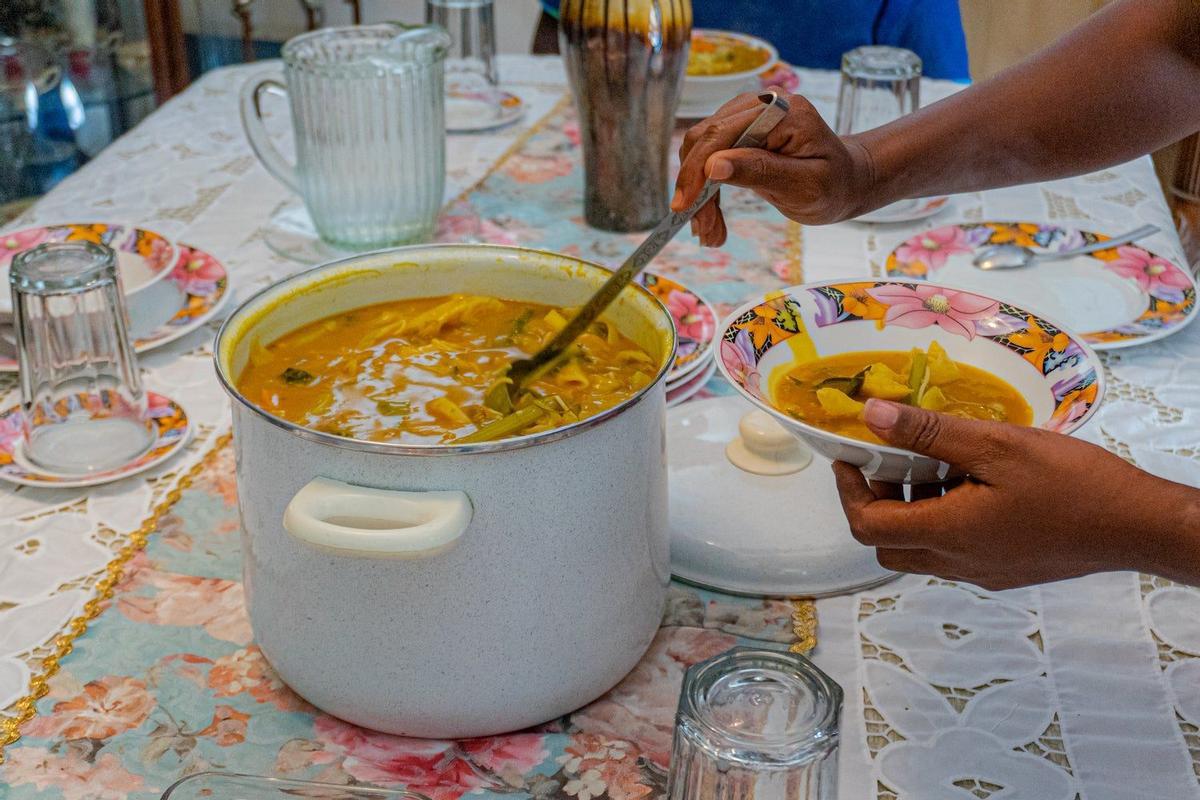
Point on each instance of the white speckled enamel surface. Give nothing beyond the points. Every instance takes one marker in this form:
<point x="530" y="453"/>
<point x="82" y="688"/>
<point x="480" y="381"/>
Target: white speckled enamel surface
<point x="549" y="599"/>
<point x="550" y="596"/>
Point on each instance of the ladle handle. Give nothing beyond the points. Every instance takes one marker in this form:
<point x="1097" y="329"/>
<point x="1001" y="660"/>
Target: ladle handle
<point x="755" y="135"/>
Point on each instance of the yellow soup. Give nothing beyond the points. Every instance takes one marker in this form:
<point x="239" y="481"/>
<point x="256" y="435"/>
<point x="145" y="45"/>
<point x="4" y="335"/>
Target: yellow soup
<point x="714" y="54"/>
<point x="419" y="371"/>
<point x="830" y="393"/>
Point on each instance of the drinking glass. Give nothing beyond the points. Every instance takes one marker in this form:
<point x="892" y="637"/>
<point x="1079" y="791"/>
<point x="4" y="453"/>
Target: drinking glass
<point x="81" y="394"/>
<point x="756" y="724"/>
<point x="472" y="84"/>
<point x="368" y="118"/>
<point x="879" y="84"/>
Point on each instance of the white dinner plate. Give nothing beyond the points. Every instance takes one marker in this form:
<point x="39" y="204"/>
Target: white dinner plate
<point x="1113" y="298"/>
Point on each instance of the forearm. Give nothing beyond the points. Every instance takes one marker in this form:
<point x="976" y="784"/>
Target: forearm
<point x="1162" y="531"/>
<point x="1123" y="84"/>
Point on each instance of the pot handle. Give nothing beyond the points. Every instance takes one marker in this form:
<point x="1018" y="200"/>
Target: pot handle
<point x="377" y="522"/>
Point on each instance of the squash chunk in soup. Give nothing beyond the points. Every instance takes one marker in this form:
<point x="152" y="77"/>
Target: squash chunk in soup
<point x="831" y="392"/>
<point x="419" y="371"/>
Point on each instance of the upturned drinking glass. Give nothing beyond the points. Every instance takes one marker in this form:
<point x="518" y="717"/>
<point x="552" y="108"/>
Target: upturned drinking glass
<point x="367" y="107"/>
<point x="472" y="83"/>
<point x="83" y="406"/>
<point x="879" y="84"/>
<point x="756" y="724"/>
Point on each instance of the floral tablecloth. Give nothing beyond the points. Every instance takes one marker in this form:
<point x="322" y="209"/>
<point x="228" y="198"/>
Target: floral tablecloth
<point x="186" y="690"/>
<point x="1084" y="689"/>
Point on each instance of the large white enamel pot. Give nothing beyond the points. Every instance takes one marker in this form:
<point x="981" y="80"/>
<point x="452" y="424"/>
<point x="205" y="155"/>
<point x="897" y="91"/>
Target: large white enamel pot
<point x="452" y="591"/>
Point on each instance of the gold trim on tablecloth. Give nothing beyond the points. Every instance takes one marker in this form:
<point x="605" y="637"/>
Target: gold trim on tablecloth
<point x="804" y="626"/>
<point x="114" y="573"/>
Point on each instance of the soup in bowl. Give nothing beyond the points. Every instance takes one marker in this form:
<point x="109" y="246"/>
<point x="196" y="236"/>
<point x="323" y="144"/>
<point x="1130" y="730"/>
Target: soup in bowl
<point x="814" y="354"/>
<point x="722" y="64"/>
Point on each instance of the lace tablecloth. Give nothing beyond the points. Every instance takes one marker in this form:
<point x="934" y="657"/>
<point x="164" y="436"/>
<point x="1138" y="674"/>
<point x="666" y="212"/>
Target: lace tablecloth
<point x="1085" y="689"/>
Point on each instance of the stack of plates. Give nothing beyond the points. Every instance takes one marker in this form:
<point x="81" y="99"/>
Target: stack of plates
<point x="695" y="325"/>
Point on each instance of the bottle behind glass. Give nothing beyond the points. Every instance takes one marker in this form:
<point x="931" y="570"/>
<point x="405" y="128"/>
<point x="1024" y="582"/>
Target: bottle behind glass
<point x="625" y="60"/>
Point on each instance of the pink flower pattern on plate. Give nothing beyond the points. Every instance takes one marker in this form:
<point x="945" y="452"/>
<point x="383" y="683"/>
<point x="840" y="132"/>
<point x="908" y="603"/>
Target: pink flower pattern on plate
<point x="691" y="317"/>
<point x="934" y="247"/>
<point x="920" y="307"/>
<point x="738" y="358"/>
<point x="1156" y="276"/>
<point x="15" y="242"/>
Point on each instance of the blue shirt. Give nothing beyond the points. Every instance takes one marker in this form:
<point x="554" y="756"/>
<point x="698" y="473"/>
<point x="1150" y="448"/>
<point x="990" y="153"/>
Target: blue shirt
<point x="815" y="33"/>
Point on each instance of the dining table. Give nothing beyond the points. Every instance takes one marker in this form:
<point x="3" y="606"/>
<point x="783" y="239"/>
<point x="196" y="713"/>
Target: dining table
<point x="127" y="661"/>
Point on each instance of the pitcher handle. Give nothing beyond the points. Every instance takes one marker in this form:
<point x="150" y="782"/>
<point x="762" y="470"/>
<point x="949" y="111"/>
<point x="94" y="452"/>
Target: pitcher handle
<point x="358" y="520"/>
<point x="256" y="131"/>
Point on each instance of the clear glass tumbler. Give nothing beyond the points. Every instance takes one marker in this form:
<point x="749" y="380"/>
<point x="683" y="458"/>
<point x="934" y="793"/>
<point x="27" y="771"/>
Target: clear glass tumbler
<point x="879" y="84"/>
<point x="472" y="83"/>
<point x="756" y="724"/>
<point x="368" y="116"/>
<point x="81" y="394"/>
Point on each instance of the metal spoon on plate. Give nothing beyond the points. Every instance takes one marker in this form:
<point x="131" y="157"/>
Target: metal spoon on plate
<point x="1015" y="256"/>
<point x="522" y="370"/>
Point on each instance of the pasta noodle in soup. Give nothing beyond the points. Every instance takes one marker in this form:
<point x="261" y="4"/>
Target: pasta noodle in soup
<point x="426" y="370"/>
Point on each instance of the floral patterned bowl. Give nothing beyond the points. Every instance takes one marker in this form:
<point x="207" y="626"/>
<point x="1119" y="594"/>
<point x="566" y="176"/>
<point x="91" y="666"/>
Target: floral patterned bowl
<point x="144" y="257"/>
<point x="1059" y="376"/>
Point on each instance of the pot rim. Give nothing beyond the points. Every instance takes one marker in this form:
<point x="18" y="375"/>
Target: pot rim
<point x="397" y="448"/>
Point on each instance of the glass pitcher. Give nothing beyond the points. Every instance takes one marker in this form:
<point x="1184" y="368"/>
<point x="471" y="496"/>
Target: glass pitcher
<point x="369" y="124"/>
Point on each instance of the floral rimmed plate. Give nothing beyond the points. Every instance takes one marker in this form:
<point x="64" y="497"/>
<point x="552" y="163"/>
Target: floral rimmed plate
<point x="199" y="287"/>
<point x="1113" y="298"/>
<point x="472" y="113"/>
<point x="782" y="75"/>
<point x="695" y="323"/>
<point x="905" y="210"/>
<point x="142" y="254"/>
<point x="1058" y="375"/>
<point x="689" y="387"/>
<point x="171" y="432"/>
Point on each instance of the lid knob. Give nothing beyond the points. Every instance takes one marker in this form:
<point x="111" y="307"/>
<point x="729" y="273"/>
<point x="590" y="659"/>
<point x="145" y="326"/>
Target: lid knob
<point x="765" y="447"/>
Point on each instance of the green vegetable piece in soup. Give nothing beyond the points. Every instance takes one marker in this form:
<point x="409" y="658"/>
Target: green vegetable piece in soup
<point x="397" y="409"/>
<point x="847" y="386"/>
<point x="294" y="376"/>
<point x="917" y="376"/>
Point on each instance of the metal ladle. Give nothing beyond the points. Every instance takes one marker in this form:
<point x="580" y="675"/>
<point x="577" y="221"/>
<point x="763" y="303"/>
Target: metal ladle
<point x="775" y="108"/>
<point x="1015" y="256"/>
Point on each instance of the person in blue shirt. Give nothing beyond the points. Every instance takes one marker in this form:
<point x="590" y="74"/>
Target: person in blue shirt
<point x="815" y="33"/>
